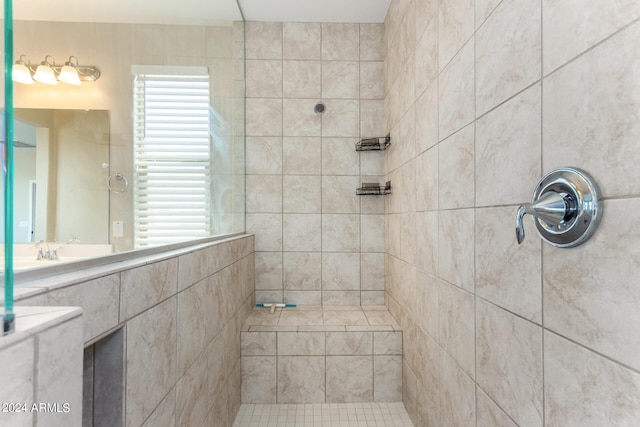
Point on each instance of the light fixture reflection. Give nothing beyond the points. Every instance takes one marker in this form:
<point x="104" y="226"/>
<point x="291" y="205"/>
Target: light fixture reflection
<point x="49" y="73"/>
<point x="21" y="73"/>
<point x="45" y="74"/>
<point x="69" y="72"/>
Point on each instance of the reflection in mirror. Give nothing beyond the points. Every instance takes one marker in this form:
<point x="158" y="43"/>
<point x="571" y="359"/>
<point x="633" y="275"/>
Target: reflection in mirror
<point x="118" y="47"/>
<point x="60" y="184"/>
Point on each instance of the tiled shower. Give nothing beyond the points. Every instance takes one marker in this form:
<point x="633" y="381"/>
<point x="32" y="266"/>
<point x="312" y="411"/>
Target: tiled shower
<point x="481" y="98"/>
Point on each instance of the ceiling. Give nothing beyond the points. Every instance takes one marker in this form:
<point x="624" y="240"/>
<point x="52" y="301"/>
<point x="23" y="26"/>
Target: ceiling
<point x="200" y="12"/>
<point x="363" y="11"/>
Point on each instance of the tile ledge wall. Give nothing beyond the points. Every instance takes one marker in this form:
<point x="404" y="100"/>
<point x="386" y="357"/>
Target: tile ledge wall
<point x="152" y="296"/>
<point x="44" y="336"/>
<point x="40" y="285"/>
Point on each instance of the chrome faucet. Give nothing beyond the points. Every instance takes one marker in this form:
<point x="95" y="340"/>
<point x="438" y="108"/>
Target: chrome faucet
<point x="44" y="255"/>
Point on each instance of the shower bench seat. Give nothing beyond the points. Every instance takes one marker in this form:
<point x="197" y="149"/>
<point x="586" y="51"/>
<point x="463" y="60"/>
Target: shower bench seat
<point x="321" y="354"/>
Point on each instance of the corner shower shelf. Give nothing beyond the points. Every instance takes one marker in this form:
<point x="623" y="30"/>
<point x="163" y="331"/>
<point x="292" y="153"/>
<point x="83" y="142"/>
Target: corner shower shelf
<point x="373" y="189"/>
<point x="373" y="144"/>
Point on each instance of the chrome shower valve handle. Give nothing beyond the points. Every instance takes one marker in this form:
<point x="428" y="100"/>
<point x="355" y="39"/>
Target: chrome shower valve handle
<point x="564" y="207"/>
<point x="552" y="208"/>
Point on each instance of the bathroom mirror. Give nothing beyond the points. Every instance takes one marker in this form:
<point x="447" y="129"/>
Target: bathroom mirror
<point x="118" y="39"/>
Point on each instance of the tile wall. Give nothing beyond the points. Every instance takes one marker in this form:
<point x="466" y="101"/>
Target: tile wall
<point x="33" y="394"/>
<point x="316" y="241"/>
<point x="182" y="313"/>
<point x="482" y="98"/>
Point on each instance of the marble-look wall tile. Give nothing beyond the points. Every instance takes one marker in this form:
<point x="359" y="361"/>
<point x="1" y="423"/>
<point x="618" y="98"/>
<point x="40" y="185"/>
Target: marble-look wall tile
<point x="301" y="232"/>
<point x="508" y="145"/>
<point x="301" y="194"/>
<point x="576" y="30"/>
<point x="489" y="414"/>
<point x="484" y="8"/>
<point x="302" y="155"/>
<point x="301" y="40"/>
<point x="349" y="379"/>
<point x="302" y="271"/>
<point x="258" y="343"/>
<point x="191" y="325"/>
<point x="508" y="274"/>
<point x="456" y="86"/>
<point x="263" y="78"/>
<point x="426" y="303"/>
<point x="339" y="196"/>
<point x="268" y="231"/>
<point x="340" y="42"/>
<point x="340" y="271"/>
<point x="301" y="379"/>
<point x="151" y="360"/>
<point x="372" y="42"/>
<point x="426" y="62"/>
<point x="268" y="270"/>
<point x="372" y="233"/>
<point x="426" y="111"/>
<point x="456" y="170"/>
<point x="192" y="394"/>
<point x="341" y="118"/>
<point x="146" y="286"/>
<point x="455" y="253"/>
<point x="387" y="343"/>
<point x="299" y="119"/>
<point x="301" y="79"/>
<point x="387" y="378"/>
<point x="301" y="344"/>
<point x="264" y="155"/>
<point x="264" y="117"/>
<point x="263" y="193"/>
<point x="372" y="80"/>
<point x="588" y="102"/>
<point x="20" y="358"/>
<point x="99" y="299"/>
<point x="59" y="347"/>
<point x="258" y="379"/>
<point x="341" y="79"/>
<point x="455" y="27"/>
<point x="457" y="394"/>
<point x="509" y="359"/>
<point x="456" y="325"/>
<point x="340" y="232"/>
<point x="349" y="343"/>
<point x="372" y="118"/>
<point x="427" y="179"/>
<point x="584" y="389"/>
<point x="339" y="157"/>
<point x="372" y="272"/>
<point x="595" y="303"/>
<point x="164" y="414"/>
<point x="263" y="40"/>
<point x="503" y="67"/>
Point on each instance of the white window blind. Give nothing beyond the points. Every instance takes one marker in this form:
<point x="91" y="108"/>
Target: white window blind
<point x="172" y="157"/>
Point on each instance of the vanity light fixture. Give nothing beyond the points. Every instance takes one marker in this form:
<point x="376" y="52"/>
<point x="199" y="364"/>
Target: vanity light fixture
<point x="49" y="73"/>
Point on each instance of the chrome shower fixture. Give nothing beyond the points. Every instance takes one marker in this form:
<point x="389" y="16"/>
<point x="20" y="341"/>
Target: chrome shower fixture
<point x="49" y="73"/>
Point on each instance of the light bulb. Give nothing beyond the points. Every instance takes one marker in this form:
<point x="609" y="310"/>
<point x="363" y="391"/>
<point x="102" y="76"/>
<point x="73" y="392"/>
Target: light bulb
<point x="20" y="73"/>
<point x="69" y="75"/>
<point x="45" y="74"/>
